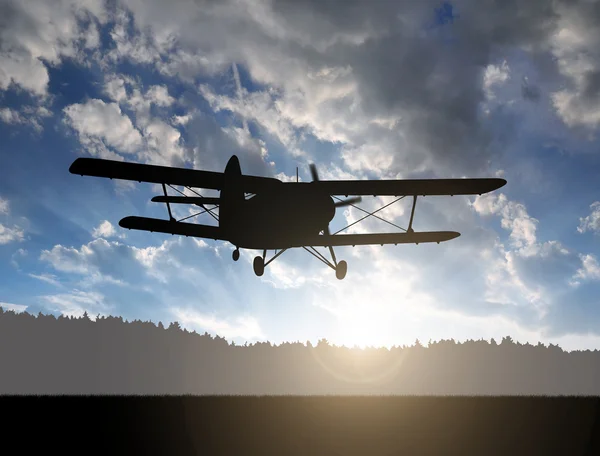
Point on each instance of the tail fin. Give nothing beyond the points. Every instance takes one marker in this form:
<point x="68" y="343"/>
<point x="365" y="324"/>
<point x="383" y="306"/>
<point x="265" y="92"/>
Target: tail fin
<point x="232" y="194"/>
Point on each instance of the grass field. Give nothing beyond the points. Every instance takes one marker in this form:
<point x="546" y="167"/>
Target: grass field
<point x="332" y="425"/>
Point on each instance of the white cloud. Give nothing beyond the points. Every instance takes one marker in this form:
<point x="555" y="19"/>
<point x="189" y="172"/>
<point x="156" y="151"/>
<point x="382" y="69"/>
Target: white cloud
<point x="77" y="302"/>
<point x="17" y="308"/>
<point x="103" y="124"/>
<point x="10" y="116"/>
<point x="259" y="107"/>
<point x="495" y="75"/>
<point x="104" y="261"/>
<point x="590" y="270"/>
<point x="48" y="278"/>
<point x="575" y="47"/>
<point x="529" y="272"/>
<point x="8" y="235"/>
<point x="31" y="115"/>
<point x="592" y="221"/>
<point x="98" y="261"/>
<point x="243" y="327"/>
<point x="115" y="87"/>
<point x="37" y="33"/>
<point x="106" y="230"/>
<point x="4" y="208"/>
<point x="514" y="218"/>
<point x="159" y="95"/>
<point x="163" y="144"/>
<point x="68" y="259"/>
<point x="139" y="48"/>
<point x="20" y="253"/>
<point x="181" y="120"/>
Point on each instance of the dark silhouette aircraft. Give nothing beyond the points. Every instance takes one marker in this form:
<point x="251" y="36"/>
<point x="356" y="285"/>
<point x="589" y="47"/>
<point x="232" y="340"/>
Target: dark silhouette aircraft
<point x="267" y="214"/>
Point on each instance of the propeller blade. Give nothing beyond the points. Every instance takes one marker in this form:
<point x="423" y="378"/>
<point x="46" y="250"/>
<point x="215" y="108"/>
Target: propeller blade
<point x="348" y="201"/>
<point x="313" y="172"/>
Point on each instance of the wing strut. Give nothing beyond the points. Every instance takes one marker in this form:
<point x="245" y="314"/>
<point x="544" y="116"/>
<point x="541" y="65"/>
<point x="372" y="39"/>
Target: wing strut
<point x="171" y="218"/>
<point x="369" y="214"/>
<point x="412" y="215"/>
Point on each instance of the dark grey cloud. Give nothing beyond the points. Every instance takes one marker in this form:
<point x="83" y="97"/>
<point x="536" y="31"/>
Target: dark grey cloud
<point x="211" y="146"/>
<point x="530" y="92"/>
<point x="402" y="63"/>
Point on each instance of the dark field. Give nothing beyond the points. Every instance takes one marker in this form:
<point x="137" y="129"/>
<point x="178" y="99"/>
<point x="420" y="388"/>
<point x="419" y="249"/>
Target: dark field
<point x="281" y="425"/>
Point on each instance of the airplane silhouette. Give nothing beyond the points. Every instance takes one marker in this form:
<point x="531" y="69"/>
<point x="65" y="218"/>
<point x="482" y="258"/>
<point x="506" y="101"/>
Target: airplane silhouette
<point x="263" y="213"/>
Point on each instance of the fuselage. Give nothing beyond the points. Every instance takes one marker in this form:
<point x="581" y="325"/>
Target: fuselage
<point x="290" y="213"/>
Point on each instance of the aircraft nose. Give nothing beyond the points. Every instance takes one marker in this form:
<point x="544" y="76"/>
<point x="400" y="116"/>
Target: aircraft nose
<point x="330" y="209"/>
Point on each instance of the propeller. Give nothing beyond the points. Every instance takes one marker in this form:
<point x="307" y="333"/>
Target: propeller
<point x="347" y="202"/>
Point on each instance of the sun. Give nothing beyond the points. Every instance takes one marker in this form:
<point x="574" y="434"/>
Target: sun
<point x="361" y="329"/>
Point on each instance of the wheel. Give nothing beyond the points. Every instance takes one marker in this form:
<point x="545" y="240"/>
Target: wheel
<point x="259" y="266"/>
<point x="236" y="255"/>
<point x="342" y="268"/>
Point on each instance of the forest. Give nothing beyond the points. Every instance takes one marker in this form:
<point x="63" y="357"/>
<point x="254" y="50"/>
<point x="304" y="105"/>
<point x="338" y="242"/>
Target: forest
<point x="45" y="354"/>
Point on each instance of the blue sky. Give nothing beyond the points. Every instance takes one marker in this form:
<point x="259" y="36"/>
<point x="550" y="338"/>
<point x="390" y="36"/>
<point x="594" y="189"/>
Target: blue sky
<point x="382" y="91"/>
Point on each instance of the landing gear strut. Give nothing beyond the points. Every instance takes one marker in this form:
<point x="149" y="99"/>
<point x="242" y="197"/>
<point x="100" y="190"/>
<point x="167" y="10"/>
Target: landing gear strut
<point x="260" y="262"/>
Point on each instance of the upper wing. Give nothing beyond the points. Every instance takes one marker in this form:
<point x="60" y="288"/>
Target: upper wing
<point x="381" y="238"/>
<point x="411" y="186"/>
<point x="164" y="175"/>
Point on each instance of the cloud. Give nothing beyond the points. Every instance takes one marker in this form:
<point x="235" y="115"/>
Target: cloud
<point x="104" y="230"/>
<point x="244" y="327"/>
<point x="592" y="221"/>
<point x="163" y="144"/>
<point x="17" y="308"/>
<point x="495" y="75"/>
<point x="36" y="34"/>
<point x="575" y="47"/>
<point x="159" y="95"/>
<point x="514" y="218"/>
<point x="590" y="270"/>
<point x="20" y="253"/>
<point x="76" y="303"/>
<point x="10" y="116"/>
<point x="101" y="125"/>
<point x="114" y="262"/>
<point x="99" y="260"/>
<point x="537" y="274"/>
<point x="8" y="235"/>
<point x="29" y="115"/>
<point x="48" y="278"/>
<point x="207" y="140"/>
<point x="529" y="91"/>
<point x="4" y="207"/>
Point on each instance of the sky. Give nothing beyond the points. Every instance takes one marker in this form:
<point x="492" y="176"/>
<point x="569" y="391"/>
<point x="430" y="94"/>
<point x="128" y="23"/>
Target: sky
<point x="365" y="90"/>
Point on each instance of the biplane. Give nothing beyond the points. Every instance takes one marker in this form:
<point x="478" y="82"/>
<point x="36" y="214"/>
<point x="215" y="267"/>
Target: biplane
<point x="263" y="213"/>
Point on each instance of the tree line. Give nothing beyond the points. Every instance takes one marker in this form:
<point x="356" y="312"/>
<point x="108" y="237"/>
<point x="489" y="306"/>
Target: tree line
<point x="45" y="354"/>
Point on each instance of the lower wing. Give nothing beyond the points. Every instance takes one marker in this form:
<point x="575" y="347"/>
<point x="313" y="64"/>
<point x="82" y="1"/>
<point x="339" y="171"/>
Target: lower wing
<point x="166" y="226"/>
<point x="214" y="232"/>
<point x="381" y="238"/>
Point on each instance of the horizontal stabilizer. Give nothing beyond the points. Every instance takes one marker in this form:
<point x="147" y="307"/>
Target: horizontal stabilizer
<point x="186" y="200"/>
<point x="381" y="238"/>
<point x="166" y="226"/>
